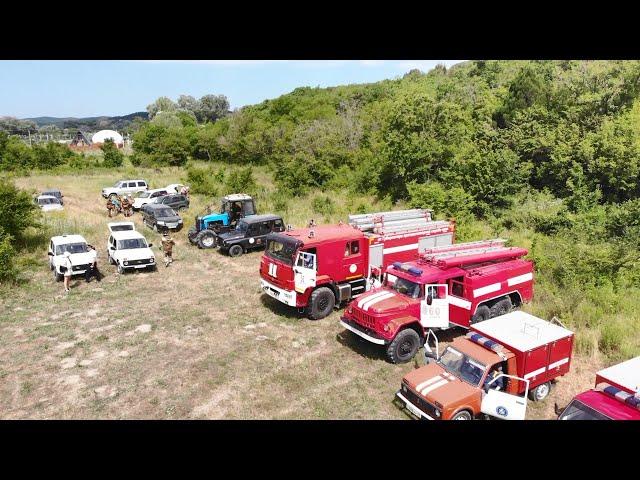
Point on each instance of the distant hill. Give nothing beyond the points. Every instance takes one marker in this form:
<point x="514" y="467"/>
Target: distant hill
<point x="89" y="123"/>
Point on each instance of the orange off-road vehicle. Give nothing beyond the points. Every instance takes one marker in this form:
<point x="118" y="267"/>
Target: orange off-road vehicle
<point x="490" y="371"/>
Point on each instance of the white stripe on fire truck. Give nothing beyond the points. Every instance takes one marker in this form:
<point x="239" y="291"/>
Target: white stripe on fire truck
<point x="459" y="302"/>
<point x="558" y="363"/>
<point x="403" y="248"/>
<point x="520" y="279"/>
<point x="494" y="287"/>
<point x="431" y="388"/>
<point x="371" y="297"/>
<point x="535" y="373"/>
<point x="368" y="305"/>
<point x="420" y="386"/>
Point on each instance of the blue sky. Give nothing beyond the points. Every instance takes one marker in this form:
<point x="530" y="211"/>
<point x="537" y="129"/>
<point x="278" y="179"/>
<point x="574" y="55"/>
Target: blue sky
<point x="91" y="88"/>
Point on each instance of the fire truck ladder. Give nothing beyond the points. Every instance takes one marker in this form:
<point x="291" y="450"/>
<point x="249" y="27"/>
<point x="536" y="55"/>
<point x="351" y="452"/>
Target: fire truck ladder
<point x="399" y="219"/>
<point x="470" y="253"/>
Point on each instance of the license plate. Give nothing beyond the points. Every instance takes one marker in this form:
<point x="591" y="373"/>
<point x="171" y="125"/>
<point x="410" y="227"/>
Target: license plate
<point x="172" y="225"/>
<point x="413" y="410"/>
<point x="271" y="293"/>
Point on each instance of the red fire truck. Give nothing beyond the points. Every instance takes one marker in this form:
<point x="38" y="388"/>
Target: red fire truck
<point x="490" y="371"/>
<point x="616" y="395"/>
<point x="319" y="267"/>
<point x="452" y="285"/>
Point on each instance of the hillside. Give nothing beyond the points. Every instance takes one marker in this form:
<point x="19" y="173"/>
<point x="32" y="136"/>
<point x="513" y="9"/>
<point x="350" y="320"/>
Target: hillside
<point x="89" y="123"/>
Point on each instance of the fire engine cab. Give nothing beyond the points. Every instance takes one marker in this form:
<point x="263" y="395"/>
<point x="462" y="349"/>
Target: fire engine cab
<point x="452" y="285"/>
<point x="616" y="395"/>
<point x="491" y="371"/>
<point x="319" y="267"/>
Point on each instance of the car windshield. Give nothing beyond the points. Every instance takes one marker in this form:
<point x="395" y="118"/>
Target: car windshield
<point x="242" y="227"/>
<point x="462" y="366"/>
<point x="280" y="250"/>
<point x="131" y="243"/>
<point x="165" y="212"/>
<point x="48" y="201"/>
<point x="143" y="195"/>
<point x="406" y="287"/>
<point x="116" y="185"/>
<point x="79" y="247"/>
<point x="577" y="410"/>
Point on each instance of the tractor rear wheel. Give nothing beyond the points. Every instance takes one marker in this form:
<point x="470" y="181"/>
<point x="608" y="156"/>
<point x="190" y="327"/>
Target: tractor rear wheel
<point x="321" y="303"/>
<point x="404" y="347"/>
<point x="235" y="251"/>
<point x="502" y="307"/>
<point x="207" y="239"/>
<point x="483" y="313"/>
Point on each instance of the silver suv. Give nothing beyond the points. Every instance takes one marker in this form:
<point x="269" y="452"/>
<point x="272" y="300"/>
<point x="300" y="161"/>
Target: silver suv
<point x="125" y="187"/>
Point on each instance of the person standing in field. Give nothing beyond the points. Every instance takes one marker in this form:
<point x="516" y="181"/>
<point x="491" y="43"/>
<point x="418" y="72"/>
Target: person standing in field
<point x="68" y="270"/>
<point x="167" y="248"/>
<point x="93" y="271"/>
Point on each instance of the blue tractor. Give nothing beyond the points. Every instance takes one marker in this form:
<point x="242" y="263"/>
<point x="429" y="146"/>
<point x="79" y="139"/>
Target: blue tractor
<point x="205" y="232"/>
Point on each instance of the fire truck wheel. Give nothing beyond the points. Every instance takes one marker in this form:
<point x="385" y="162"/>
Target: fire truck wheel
<point x="540" y="392"/>
<point x="404" y="347"/>
<point x="501" y="308"/>
<point x="321" y="303"/>
<point x="483" y="313"/>
<point x="235" y="251"/>
<point x="207" y="239"/>
<point x="463" y="415"/>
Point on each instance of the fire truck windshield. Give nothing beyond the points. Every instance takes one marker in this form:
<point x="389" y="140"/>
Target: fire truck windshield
<point x="406" y="287"/>
<point x="577" y="410"/>
<point x="281" y="250"/>
<point x="462" y="366"/>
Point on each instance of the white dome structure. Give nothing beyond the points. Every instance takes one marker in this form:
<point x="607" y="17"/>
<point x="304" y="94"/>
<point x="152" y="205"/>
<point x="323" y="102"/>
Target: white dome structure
<point x="102" y="135"/>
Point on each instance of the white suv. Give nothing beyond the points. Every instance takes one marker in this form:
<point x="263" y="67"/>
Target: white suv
<point x="80" y="257"/>
<point x="128" y="249"/>
<point x="149" y="196"/>
<point x="125" y="187"/>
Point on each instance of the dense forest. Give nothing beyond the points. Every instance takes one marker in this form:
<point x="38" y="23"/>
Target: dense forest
<point x="545" y="152"/>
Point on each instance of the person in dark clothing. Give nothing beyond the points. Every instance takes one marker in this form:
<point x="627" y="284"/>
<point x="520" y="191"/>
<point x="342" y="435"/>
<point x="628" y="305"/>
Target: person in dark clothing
<point x="93" y="271"/>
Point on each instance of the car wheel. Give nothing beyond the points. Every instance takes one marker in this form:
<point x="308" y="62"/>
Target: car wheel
<point x="321" y="303"/>
<point x="463" y="415"/>
<point x="235" y="251"/>
<point x="51" y="267"/>
<point x="120" y="269"/>
<point x="110" y="259"/>
<point x="404" y="347"/>
<point x="57" y="276"/>
<point x="207" y="239"/>
<point x="540" y="392"/>
<point x="155" y="227"/>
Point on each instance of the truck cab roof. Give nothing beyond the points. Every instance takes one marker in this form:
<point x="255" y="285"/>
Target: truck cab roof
<point x="236" y="197"/>
<point x="324" y="233"/>
<point x="64" y="239"/>
<point x="126" y="235"/>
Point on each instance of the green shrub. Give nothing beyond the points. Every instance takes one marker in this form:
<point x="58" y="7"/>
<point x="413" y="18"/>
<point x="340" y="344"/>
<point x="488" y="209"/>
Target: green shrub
<point x="7" y="256"/>
<point x="202" y="180"/>
<point x="17" y="210"/>
<point x="113" y="157"/>
<point x="323" y="205"/>
<point x="446" y="202"/>
<point x="241" y="181"/>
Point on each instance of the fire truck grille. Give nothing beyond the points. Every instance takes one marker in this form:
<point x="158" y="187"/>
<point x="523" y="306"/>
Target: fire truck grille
<point x="364" y="319"/>
<point x="418" y="401"/>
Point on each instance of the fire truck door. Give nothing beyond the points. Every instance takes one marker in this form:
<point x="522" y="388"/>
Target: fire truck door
<point x="375" y="261"/>
<point x="506" y="406"/>
<point x="434" y="307"/>
<point x="305" y="271"/>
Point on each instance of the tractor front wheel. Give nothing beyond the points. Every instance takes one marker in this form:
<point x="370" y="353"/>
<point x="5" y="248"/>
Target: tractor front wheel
<point x="321" y="303"/>
<point x="207" y="239"/>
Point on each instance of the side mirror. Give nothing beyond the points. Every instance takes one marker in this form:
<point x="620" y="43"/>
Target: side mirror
<point x="429" y="299"/>
<point x="111" y="247"/>
<point x="50" y="254"/>
<point x="150" y="245"/>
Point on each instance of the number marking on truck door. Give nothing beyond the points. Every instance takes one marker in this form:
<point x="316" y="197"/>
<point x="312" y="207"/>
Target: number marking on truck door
<point x="435" y="315"/>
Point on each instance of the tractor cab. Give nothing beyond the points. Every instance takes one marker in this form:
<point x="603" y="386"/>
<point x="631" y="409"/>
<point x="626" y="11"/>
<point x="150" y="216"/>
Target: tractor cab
<point x="232" y="208"/>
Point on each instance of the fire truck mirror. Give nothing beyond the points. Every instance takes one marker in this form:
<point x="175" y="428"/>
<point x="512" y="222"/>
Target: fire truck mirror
<point x="429" y="299"/>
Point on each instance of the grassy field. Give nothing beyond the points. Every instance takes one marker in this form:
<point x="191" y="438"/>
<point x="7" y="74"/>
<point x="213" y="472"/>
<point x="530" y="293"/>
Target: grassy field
<point x="195" y="340"/>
